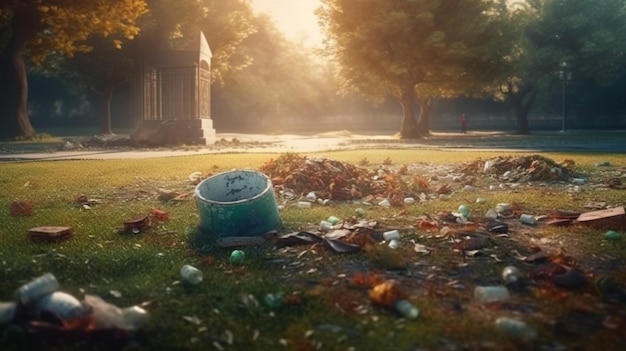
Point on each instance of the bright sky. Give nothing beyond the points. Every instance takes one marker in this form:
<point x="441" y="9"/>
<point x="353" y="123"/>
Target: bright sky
<point x="293" y="17"/>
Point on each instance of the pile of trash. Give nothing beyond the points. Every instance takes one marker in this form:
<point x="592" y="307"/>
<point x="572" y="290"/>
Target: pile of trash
<point x="40" y="309"/>
<point x="328" y="178"/>
<point x="521" y="168"/>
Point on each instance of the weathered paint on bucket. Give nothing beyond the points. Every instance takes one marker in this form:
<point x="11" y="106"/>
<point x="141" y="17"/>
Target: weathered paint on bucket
<point x="237" y="203"/>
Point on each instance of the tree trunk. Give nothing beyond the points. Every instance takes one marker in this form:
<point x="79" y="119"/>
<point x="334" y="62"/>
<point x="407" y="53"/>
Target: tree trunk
<point x="105" y="101"/>
<point x="522" y="103"/>
<point x="423" y="125"/>
<point x="14" y="115"/>
<point x="408" y="129"/>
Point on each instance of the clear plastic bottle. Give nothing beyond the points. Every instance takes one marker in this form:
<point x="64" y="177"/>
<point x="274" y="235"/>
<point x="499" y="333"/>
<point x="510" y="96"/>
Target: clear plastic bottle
<point x="486" y="294"/>
<point x="516" y="328"/>
<point x="191" y="274"/>
<point x="37" y="288"/>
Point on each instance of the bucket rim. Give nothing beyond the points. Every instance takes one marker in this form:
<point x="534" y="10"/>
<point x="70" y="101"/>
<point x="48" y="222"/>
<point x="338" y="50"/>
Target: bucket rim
<point x="268" y="187"/>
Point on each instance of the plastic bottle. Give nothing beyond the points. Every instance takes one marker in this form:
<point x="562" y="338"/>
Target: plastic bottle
<point x="486" y="294"/>
<point x="191" y="274"/>
<point x="527" y="219"/>
<point x="510" y="275"/>
<point x="516" y="328"/>
<point x="37" y="288"/>
<point x="390" y="295"/>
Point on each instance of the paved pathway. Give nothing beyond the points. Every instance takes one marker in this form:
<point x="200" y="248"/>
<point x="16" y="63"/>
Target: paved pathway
<point x="608" y="142"/>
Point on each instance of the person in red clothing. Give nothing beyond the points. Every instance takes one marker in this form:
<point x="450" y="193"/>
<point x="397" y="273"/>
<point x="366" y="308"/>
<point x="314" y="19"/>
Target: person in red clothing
<point x="463" y="123"/>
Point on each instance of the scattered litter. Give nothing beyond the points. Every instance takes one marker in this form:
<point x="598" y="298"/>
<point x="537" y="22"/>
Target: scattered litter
<point x="390" y="295"/>
<point x="237" y="257"/>
<point x="21" y="208"/>
<point x="516" y="328"/>
<point x="50" y="233"/>
<point x="489" y="294"/>
<point x="612" y="218"/>
<point x="45" y="312"/>
<point x="191" y="274"/>
<point x="612" y="235"/>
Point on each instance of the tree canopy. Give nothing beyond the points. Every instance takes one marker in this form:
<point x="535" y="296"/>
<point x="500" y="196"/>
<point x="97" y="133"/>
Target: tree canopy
<point x="415" y="50"/>
<point x="35" y="29"/>
<point x="589" y="37"/>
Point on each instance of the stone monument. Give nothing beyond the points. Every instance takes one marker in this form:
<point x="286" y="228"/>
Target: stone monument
<point x="173" y="95"/>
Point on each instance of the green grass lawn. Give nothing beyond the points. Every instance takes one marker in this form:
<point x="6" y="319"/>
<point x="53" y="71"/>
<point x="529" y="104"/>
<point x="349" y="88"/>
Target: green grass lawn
<point x="326" y="308"/>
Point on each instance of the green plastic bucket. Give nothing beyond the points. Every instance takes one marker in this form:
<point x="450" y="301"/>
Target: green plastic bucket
<point x="237" y="203"/>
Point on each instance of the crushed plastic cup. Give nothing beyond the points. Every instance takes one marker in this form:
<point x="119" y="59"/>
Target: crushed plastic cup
<point x="191" y="274"/>
<point x="528" y="219"/>
<point x="510" y="275"/>
<point x="109" y="316"/>
<point x="486" y="294"/>
<point x="491" y="213"/>
<point x="503" y="207"/>
<point x="325" y="226"/>
<point x="384" y="203"/>
<point x="391" y="234"/>
<point x="516" y="328"/>
<point x="311" y="197"/>
<point x="37" y="288"/>
<point x="394" y="243"/>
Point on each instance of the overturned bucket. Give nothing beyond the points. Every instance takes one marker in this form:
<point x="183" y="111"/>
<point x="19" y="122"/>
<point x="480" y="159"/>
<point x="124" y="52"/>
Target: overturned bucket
<point x="237" y="203"/>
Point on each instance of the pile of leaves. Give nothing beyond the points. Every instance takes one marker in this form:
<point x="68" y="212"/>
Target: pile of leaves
<point x="521" y="168"/>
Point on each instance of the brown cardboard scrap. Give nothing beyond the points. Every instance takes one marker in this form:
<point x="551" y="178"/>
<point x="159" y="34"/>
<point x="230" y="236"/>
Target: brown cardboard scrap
<point x="607" y="218"/>
<point x="50" y="233"/>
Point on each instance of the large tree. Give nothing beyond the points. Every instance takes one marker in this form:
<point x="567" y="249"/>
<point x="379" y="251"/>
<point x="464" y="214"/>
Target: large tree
<point x="415" y="50"/>
<point x="34" y="29"/>
<point x="589" y="36"/>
